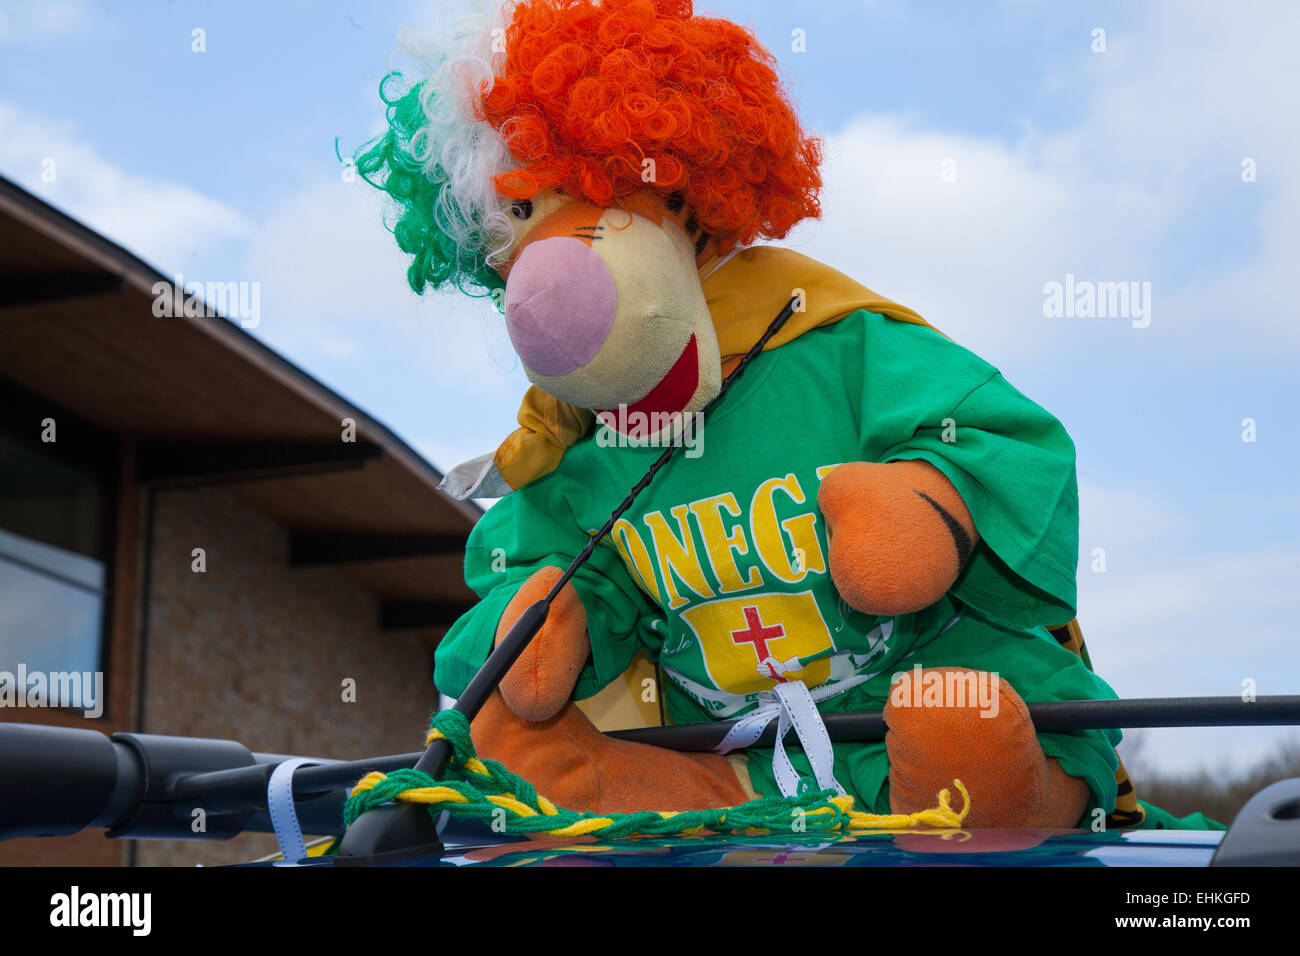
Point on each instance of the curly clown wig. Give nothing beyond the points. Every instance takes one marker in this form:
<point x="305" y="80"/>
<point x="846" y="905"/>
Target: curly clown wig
<point x="586" y="97"/>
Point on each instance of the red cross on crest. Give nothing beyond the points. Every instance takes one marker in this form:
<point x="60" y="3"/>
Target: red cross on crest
<point x="757" y="635"/>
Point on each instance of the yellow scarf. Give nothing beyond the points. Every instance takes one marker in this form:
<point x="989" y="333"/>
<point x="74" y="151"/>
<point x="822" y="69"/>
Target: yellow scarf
<point x="743" y="294"/>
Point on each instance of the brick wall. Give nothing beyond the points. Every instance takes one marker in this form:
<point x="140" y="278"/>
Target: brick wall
<point x="256" y="651"/>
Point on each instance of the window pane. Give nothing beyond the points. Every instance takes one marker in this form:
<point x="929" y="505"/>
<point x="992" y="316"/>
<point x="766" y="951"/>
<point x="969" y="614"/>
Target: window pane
<point x="46" y="625"/>
<point x="46" y="499"/>
<point x="52" y="563"/>
<point x="77" y="569"/>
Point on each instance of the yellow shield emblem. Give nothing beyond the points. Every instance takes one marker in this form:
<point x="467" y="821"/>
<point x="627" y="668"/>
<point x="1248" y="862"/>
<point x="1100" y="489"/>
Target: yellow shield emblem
<point x="755" y="642"/>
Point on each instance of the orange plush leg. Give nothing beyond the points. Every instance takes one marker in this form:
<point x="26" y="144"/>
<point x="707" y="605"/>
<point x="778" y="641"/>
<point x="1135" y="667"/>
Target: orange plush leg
<point x="577" y="767"/>
<point x="899" y="534"/>
<point x="998" y="758"/>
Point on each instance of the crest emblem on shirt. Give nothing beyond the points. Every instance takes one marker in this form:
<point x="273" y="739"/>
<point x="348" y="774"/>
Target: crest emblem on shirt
<point x="755" y="642"/>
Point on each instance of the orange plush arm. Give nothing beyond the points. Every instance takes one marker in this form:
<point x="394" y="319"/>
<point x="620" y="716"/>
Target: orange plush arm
<point x="899" y="534"/>
<point x="541" y="680"/>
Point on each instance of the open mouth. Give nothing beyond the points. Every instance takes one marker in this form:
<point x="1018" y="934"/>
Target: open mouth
<point x="672" y="393"/>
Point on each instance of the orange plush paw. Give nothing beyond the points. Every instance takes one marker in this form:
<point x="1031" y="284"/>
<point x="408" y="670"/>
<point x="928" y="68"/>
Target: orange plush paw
<point x="541" y="680"/>
<point x="970" y="725"/>
<point x="899" y="534"/>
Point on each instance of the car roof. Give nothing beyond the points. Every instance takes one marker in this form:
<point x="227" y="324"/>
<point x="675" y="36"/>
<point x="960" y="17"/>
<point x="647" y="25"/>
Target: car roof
<point x="1001" y="848"/>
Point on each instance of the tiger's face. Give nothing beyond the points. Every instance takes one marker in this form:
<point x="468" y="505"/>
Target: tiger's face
<point x="604" y="304"/>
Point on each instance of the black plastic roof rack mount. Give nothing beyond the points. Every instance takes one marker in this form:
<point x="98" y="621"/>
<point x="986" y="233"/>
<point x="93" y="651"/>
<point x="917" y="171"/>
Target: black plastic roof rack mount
<point x="1266" y="832"/>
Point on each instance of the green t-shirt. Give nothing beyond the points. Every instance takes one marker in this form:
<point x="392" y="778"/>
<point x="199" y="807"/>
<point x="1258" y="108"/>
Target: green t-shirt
<point x="720" y="567"/>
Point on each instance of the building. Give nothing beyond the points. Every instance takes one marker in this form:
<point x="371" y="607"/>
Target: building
<point x="238" y="550"/>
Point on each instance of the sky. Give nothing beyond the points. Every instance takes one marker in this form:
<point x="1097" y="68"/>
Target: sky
<point x="976" y="152"/>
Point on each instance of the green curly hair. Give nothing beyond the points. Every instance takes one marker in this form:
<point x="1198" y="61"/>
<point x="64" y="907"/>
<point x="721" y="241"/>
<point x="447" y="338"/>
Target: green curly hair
<point x="447" y="247"/>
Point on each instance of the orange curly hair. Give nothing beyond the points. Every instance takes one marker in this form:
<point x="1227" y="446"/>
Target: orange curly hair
<point x="590" y="91"/>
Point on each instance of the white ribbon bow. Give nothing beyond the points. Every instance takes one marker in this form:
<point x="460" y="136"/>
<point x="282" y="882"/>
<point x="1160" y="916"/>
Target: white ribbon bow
<point x="791" y="704"/>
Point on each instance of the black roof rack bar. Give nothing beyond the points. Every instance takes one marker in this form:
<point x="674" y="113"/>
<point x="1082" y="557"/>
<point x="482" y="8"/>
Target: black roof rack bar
<point x="1050" y="716"/>
<point x="139" y="785"/>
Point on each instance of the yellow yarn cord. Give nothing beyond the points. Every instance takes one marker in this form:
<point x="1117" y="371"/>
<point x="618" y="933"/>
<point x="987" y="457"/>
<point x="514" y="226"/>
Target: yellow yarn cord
<point x="942" y="816"/>
<point x="473" y="765"/>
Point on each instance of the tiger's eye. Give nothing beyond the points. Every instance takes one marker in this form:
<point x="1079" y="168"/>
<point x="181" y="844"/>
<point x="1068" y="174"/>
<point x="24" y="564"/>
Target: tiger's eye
<point x="521" y="208"/>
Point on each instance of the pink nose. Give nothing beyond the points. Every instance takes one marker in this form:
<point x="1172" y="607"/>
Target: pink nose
<point x="560" y="303"/>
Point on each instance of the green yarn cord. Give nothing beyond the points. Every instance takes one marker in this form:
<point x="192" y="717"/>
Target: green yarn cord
<point x="811" y="811"/>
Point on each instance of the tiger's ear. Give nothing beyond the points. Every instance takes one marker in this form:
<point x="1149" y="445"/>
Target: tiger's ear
<point x="710" y="246"/>
<point x="717" y="246"/>
<point x="699" y="237"/>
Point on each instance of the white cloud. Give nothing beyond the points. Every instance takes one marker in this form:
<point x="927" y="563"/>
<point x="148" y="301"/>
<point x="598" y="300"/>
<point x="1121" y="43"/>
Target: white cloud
<point x="1172" y="615"/>
<point x="957" y="251"/>
<point x="24" y="21"/>
<point x="1122" y="518"/>
<point x="1203" y="619"/>
<point x="1199" y="89"/>
<point x="163" y="222"/>
<point x="335" y="298"/>
<point x="332" y="271"/>
<point x="1174" y="107"/>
